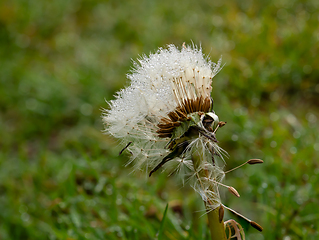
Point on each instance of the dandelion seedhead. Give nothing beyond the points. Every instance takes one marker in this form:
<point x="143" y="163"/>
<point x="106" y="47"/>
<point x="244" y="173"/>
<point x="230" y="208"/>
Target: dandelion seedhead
<point x="166" y="114"/>
<point x="165" y="118"/>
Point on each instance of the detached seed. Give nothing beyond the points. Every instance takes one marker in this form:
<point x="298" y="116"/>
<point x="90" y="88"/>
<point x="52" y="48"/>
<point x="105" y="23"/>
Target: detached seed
<point x="233" y="191"/>
<point x="254" y="161"/>
<point x="221" y="213"/>
<point x="256" y="226"/>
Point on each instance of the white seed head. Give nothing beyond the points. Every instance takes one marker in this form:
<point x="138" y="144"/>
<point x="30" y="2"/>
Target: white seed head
<point x="159" y="84"/>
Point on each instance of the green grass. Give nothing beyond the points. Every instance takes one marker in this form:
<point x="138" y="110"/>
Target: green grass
<point x="61" y="178"/>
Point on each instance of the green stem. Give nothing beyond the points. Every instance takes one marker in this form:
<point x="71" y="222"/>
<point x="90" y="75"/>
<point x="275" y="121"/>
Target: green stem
<point x="216" y="227"/>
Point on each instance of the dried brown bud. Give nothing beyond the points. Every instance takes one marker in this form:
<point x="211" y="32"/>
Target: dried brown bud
<point x="254" y="161"/>
<point x="221" y="124"/>
<point x="221" y="213"/>
<point x="233" y="191"/>
<point x="256" y="226"/>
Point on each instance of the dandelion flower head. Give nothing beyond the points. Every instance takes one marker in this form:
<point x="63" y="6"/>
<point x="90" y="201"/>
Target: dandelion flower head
<point x="166" y="114"/>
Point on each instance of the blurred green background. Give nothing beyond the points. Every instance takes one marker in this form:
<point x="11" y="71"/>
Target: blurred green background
<point x="61" y="178"/>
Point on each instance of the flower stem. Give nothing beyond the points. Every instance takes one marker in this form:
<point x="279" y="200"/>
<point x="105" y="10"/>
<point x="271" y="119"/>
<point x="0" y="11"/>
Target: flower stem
<point x="215" y="221"/>
<point x="217" y="229"/>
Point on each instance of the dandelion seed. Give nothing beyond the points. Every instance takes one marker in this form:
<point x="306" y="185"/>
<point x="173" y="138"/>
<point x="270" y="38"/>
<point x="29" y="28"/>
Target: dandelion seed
<point x="221" y="213"/>
<point x="233" y="191"/>
<point x="254" y="161"/>
<point x="256" y="226"/>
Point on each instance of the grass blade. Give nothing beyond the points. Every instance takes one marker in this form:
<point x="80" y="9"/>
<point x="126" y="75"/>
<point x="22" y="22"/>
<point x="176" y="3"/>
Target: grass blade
<point x="161" y="229"/>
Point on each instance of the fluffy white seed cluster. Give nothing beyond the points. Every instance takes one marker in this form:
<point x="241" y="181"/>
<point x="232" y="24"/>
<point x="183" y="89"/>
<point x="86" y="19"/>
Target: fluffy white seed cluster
<point x="161" y="82"/>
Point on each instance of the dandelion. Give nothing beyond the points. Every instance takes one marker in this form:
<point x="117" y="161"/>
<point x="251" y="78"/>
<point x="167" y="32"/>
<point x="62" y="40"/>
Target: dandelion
<point x="165" y="119"/>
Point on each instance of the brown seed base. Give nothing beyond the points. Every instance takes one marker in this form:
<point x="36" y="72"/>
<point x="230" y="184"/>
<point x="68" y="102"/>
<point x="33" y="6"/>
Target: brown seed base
<point x="167" y="125"/>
